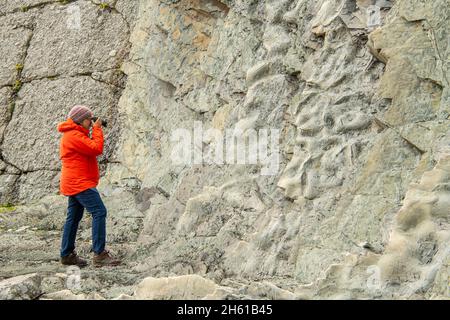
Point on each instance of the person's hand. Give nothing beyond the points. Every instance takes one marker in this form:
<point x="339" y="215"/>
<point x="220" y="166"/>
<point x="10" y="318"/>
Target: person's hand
<point x="98" y="123"/>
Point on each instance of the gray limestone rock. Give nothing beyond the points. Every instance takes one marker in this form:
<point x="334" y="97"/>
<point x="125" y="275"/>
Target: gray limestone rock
<point x="26" y="287"/>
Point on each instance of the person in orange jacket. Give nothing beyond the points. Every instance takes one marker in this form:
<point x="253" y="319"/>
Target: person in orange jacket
<point x="79" y="179"/>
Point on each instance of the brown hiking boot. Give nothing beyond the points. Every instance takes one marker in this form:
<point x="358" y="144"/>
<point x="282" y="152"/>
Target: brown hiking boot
<point x="105" y="259"/>
<point x="73" y="260"/>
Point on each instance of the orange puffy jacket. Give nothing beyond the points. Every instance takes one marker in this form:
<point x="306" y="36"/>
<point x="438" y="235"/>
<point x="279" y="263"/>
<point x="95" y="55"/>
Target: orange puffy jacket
<point x="78" y="154"/>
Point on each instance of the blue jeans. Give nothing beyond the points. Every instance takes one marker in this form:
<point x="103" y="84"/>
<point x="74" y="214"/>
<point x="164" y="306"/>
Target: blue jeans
<point x="89" y="199"/>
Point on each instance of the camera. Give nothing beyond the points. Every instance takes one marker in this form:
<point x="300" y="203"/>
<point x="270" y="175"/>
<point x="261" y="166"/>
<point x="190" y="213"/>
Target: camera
<point x="104" y="122"/>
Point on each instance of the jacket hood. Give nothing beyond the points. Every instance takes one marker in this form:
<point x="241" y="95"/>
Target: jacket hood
<point x="69" y="124"/>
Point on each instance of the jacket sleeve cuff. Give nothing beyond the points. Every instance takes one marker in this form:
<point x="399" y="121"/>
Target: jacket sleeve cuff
<point x="98" y="129"/>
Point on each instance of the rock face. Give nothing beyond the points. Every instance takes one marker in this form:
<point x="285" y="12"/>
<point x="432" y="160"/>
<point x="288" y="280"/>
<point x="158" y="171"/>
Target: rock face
<point x="353" y="202"/>
<point x="46" y="71"/>
<point x="188" y="287"/>
<point x="25" y="287"/>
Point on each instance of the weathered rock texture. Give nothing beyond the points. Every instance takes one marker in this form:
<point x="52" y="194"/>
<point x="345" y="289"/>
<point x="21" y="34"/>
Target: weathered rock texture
<point x="359" y="207"/>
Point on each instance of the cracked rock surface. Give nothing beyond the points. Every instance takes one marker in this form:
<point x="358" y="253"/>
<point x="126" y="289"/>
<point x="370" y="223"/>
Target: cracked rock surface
<point x="358" y="208"/>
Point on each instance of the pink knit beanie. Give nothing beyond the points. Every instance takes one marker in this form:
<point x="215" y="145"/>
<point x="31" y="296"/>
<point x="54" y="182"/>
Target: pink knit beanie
<point x="79" y="113"/>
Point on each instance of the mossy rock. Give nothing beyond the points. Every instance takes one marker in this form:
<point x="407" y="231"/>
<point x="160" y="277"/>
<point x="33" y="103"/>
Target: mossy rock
<point x="5" y="208"/>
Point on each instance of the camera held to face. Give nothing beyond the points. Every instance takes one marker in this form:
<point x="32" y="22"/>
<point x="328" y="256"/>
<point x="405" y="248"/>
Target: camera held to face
<point x="104" y="122"/>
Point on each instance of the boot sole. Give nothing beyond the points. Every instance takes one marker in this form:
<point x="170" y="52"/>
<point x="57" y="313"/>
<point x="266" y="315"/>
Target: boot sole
<point x="99" y="265"/>
<point x="78" y="265"/>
